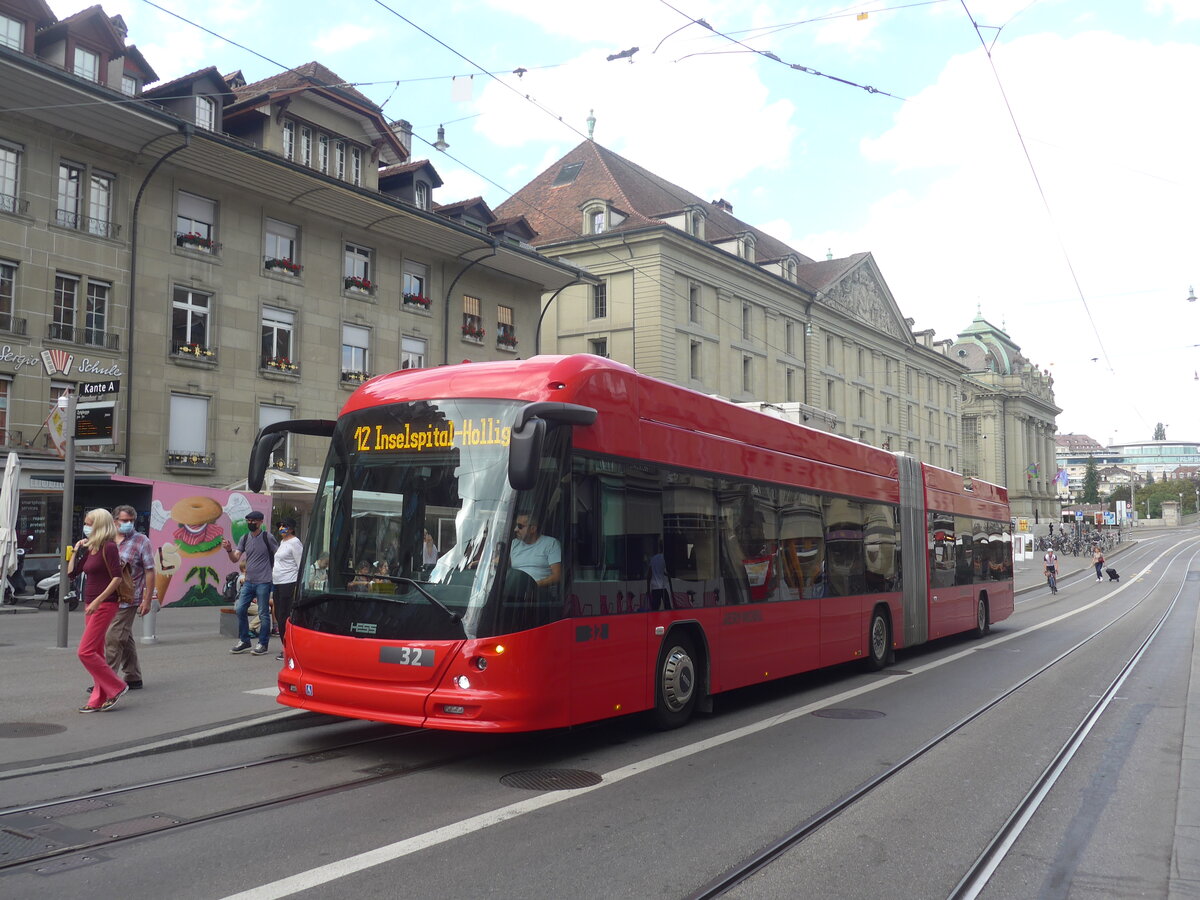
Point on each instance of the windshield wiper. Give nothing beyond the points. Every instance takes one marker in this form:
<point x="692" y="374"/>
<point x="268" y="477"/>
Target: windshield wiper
<point x="402" y="579"/>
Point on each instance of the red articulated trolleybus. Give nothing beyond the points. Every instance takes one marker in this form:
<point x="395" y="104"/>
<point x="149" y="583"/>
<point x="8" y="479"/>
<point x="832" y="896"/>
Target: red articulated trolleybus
<point x="523" y="545"/>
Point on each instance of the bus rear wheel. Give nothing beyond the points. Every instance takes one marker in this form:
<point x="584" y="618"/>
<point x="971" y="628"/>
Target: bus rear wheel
<point x="676" y="686"/>
<point x="879" y="640"/>
<point x="981" y="617"/>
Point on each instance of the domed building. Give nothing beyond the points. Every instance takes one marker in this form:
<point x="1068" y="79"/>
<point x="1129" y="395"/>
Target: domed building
<point x="1008" y="419"/>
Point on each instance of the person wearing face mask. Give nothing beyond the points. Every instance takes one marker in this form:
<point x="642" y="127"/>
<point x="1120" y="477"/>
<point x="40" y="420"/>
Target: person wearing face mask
<point x="136" y="551"/>
<point x="284" y="575"/>
<point x="258" y="550"/>
<point x="97" y="557"/>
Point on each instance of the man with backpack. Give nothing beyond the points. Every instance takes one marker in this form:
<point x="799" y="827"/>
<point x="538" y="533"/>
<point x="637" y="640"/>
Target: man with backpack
<point x="258" y="550"/>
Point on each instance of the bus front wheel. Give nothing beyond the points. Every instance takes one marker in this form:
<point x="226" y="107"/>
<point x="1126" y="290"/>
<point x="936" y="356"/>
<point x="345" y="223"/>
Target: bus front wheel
<point x="981" y="617"/>
<point x="879" y="640"/>
<point x="676" y="684"/>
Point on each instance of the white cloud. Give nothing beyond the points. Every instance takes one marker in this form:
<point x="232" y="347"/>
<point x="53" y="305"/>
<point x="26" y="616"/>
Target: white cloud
<point x="458" y="183"/>
<point x="344" y="36"/>
<point x="1115" y="160"/>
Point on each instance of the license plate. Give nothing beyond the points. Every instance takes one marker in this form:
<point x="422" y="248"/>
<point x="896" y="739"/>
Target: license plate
<point x="406" y="656"/>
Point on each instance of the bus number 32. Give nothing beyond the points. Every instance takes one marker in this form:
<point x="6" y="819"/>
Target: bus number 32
<point x="406" y="656"/>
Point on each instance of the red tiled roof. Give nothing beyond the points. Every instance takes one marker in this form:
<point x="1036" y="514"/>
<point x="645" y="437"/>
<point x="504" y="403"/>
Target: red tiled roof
<point x="307" y="75"/>
<point x="645" y="198"/>
<point x="167" y="88"/>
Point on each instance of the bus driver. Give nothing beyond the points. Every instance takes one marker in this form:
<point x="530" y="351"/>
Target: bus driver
<point x="537" y="555"/>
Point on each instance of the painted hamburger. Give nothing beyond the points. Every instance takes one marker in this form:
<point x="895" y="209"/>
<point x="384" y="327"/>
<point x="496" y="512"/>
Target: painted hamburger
<point x="198" y="532"/>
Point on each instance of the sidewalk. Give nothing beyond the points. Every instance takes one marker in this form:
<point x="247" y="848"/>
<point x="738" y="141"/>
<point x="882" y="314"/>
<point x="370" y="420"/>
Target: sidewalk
<point x="196" y="691"/>
<point x="193" y="686"/>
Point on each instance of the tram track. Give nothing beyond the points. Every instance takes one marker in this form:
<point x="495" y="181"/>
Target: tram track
<point x="975" y="878"/>
<point x="15" y="820"/>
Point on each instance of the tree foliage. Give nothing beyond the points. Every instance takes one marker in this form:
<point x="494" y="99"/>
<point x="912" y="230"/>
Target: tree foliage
<point x="1160" y="432"/>
<point x="1091" y="482"/>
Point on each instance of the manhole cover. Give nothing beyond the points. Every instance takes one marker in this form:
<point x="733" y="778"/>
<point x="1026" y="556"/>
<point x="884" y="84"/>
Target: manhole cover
<point x="839" y="712"/>
<point x="551" y="779"/>
<point x="28" y="729"/>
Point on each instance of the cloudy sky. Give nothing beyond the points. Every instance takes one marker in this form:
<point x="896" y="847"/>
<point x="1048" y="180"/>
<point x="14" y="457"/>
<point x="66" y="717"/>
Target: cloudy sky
<point x="1052" y="185"/>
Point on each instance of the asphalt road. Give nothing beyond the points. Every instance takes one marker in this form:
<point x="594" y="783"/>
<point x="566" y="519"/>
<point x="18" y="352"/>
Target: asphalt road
<point x="434" y="817"/>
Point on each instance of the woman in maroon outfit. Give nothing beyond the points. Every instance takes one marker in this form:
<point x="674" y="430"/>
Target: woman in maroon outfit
<point x="97" y="556"/>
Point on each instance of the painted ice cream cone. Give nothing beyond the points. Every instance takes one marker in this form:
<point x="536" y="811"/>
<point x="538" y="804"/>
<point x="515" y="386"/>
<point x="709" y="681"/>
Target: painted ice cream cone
<point x="166" y="564"/>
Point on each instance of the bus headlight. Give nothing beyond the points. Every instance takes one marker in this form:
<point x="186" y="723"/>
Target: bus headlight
<point x="462" y="682"/>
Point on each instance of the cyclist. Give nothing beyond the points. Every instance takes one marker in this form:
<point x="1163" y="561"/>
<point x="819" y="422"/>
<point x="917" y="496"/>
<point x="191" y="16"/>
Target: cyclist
<point x="1050" y="561"/>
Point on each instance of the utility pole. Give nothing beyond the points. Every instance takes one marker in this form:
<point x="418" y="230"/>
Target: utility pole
<point x="68" y="506"/>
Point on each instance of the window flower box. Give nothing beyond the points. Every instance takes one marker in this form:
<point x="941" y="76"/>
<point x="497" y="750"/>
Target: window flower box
<point x="473" y="333"/>
<point x="508" y="341"/>
<point x="355" y="377"/>
<point x="286" y="266"/>
<point x="281" y="364"/>
<point x="196" y="351"/>
<point x="358" y="283"/>
<point x="193" y="460"/>
<point x="193" y="240"/>
<point x="419" y="301"/>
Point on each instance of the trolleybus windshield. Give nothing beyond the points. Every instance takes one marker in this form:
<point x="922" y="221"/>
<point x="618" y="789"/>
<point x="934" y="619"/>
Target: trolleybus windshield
<point x="411" y="521"/>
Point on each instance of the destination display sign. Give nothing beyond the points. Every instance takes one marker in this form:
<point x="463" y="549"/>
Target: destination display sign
<point x="444" y="435"/>
<point x="94" y="422"/>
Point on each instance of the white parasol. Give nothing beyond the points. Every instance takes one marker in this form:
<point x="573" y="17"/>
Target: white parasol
<point x="9" y="501"/>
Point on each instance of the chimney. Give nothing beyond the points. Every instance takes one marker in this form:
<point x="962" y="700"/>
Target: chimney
<point x="402" y="129"/>
<point x="119" y="26"/>
<point x="723" y="204"/>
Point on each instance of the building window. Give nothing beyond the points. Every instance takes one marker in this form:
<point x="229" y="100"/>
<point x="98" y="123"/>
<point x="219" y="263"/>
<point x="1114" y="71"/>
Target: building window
<point x="748" y="374"/>
<point x="412" y="352"/>
<point x="71" y="213"/>
<point x="12" y="33"/>
<point x="598" y="221"/>
<point x="862" y="363"/>
<point x="862" y="404"/>
<point x="66" y="299"/>
<point x="5" y="385"/>
<point x="8" y="282"/>
<point x="829" y="394"/>
<point x="695" y="360"/>
<point x="829" y="350"/>
<point x="70" y="195"/>
<point x="789" y="270"/>
<point x="323" y="153"/>
<point x="415" y="289"/>
<point x="129" y="85"/>
<point x="598" y="347"/>
<point x="890" y="408"/>
<point x="355" y="166"/>
<point x="357" y="269"/>
<point x="693" y="302"/>
<point x="289" y="139"/>
<point x="789" y="338"/>
<point x="506" y="330"/>
<point x="278" y="326"/>
<point x="339" y="160"/>
<point x="599" y="300"/>
<point x="789" y="385"/>
<point x="280" y="248"/>
<point x="95" y="324"/>
<point x="356" y="343"/>
<point x="187" y="437"/>
<point x="190" y="312"/>
<point x="306" y="146"/>
<point x="206" y="113"/>
<point x="10" y="160"/>
<point x="195" y="222"/>
<point x="912" y="418"/>
<point x="472" y="326"/>
<point x="281" y="456"/>
<point x="421" y="195"/>
<point x="87" y="64"/>
<point x="696" y="224"/>
<point x="747" y="322"/>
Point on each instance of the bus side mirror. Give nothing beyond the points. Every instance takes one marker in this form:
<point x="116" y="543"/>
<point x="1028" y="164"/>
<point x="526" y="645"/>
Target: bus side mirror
<point x="272" y="436"/>
<point x="525" y="453"/>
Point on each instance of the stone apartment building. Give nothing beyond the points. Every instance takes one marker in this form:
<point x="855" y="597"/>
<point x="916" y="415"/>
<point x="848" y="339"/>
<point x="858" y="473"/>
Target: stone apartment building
<point x="232" y="253"/>
<point x="691" y="294"/>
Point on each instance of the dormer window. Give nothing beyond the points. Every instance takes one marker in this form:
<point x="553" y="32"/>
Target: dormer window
<point x="129" y="85"/>
<point x="745" y="247"/>
<point x="87" y="64"/>
<point x="789" y="269"/>
<point x="421" y="195"/>
<point x="599" y="221"/>
<point x="206" y="113"/>
<point x="12" y="33"/>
